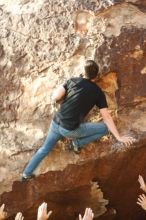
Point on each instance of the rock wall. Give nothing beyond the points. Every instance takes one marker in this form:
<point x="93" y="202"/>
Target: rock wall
<point x="43" y="43"/>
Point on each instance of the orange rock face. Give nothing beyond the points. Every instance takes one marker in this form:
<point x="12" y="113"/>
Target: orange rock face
<point x="108" y="83"/>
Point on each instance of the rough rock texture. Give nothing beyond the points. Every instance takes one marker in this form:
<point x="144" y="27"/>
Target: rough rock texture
<point x="124" y="51"/>
<point x="42" y="43"/>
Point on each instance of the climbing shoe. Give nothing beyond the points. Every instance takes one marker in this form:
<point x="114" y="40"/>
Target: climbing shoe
<point x="72" y="147"/>
<point x="25" y="178"/>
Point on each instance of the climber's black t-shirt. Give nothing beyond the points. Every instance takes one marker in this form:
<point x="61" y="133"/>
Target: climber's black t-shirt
<point x="81" y="95"/>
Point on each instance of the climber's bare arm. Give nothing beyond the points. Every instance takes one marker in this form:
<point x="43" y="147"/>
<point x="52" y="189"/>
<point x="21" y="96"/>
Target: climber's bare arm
<point x="58" y="94"/>
<point x="113" y="129"/>
<point x="142" y="183"/>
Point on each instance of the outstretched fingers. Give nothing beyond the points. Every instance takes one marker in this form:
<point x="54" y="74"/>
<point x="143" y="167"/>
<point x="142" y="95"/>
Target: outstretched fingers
<point x="3" y="214"/>
<point x="19" y="216"/>
<point x="42" y="212"/>
<point x="141" y="198"/>
<point x="142" y="201"/>
<point x="88" y="215"/>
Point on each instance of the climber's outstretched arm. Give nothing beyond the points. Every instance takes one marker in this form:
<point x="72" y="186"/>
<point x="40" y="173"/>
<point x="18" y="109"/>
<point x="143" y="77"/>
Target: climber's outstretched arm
<point x="108" y="120"/>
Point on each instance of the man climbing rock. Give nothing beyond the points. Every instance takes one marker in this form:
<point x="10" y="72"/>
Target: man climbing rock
<point x="79" y="95"/>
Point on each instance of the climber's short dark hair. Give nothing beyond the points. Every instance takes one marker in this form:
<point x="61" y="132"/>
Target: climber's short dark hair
<point x="91" y="69"/>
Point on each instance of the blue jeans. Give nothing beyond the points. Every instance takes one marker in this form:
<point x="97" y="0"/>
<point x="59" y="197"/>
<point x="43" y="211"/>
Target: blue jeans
<point x="84" y="134"/>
